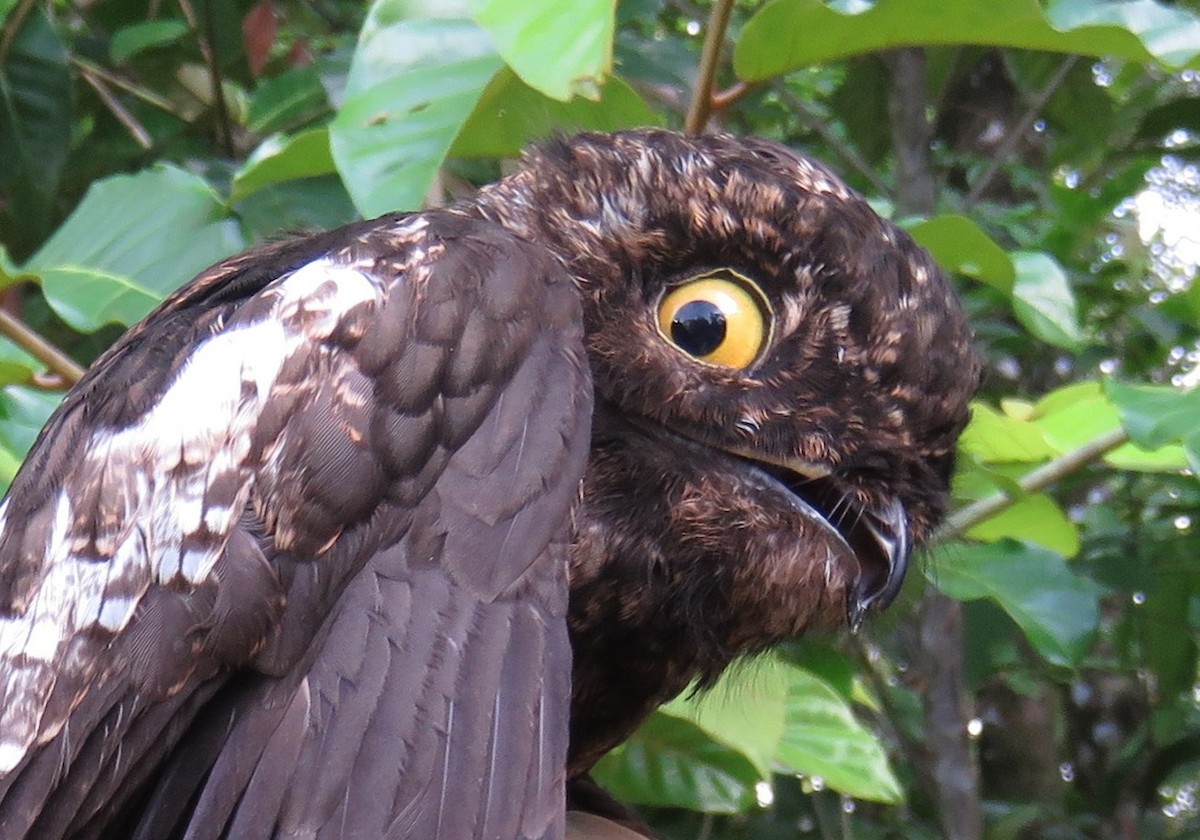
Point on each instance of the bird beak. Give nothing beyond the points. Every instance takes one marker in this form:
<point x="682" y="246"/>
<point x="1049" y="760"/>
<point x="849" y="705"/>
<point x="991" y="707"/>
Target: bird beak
<point x="877" y="538"/>
<point x="881" y="534"/>
<point x="795" y="465"/>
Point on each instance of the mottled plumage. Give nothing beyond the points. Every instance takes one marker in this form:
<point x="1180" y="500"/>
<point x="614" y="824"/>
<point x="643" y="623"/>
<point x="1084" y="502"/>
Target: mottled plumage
<point x="292" y="560"/>
<point x="691" y="547"/>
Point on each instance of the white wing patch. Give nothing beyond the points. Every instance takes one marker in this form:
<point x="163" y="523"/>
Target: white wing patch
<point x="160" y="520"/>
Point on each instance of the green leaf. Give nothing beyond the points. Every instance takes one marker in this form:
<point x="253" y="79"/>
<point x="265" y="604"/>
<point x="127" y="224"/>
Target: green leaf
<point x="558" y="47"/>
<point x="823" y="658"/>
<point x="1035" y="518"/>
<point x="308" y="204"/>
<point x="35" y="117"/>
<point x="131" y="40"/>
<point x="1170" y="35"/>
<point x="744" y="710"/>
<point x="286" y="101"/>
<point x="788" y="34"/>
<point x="860" y="104"/>
<point x="281" y="158"/>
<point x="997" y="438"/>
<point x="133" y="240"/>
<point x="9" y="271"/>
<point x="822" y="738"/>
<point x="672" y="762"/>
<point x="23" y="412"/>
<point x="1158" y="122"/>
<point x="960" y="245"/>
<point x="17" y="366"/>
<point x="412" y="85"/>
<point x="1076" y="414"/>
<point x="1170" y="653"/>
<point x="974" y="480"/>
<point x="1170" y="458"/>
<point x="1156" y="414"/>
<point x="12" y="373"/>
<point x="9" y="464"/>
<point x="1043" y="300"/>
<point x="1057" y="609"/>
<point x="1067" y="396"/>
<point x="89" y="298"/>
<point x="510" y="114"/>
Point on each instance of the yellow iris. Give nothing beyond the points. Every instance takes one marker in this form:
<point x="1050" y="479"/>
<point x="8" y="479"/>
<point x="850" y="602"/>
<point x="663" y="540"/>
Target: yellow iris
<point x="720" y="319"/>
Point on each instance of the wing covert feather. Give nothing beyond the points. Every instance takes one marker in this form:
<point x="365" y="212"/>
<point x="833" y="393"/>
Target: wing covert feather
<point x="349" y="475"/>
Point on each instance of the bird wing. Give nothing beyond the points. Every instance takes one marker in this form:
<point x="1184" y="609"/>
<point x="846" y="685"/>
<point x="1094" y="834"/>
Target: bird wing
<point x="291" y="560"/>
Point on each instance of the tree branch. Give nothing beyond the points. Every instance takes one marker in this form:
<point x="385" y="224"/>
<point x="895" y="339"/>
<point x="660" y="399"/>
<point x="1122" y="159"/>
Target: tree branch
<point x="916" y="188"/>
<point x="723" y="99"/>
<point x="205" y="31"/>
<point x="815" y="124"/>
<point x="947" y="706"/>
<point x="935" y="643"/>
<point x="714" y="39"/>
<point x="1033" y="481"/>
<point x="114" y="79"/>
<point x="41" y="349"/>
<point x="1013" y="138"/>
<point x="136" y="130"/>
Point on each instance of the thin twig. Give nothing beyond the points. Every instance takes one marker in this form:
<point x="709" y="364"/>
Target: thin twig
<point x="41" y="349"/>
<point x="714" y="39"/>
<point x="815" y="124"/>
<point x="723" y="99"/>
<point x="123" y="115"/>
<point x="111" y="78"/>
<point x="224" y="124"/>
<point x="1033" y="481"/>
<point x="44" y="380"/>
<point x="205" y="40"/>
<point x="1013" y="138"/>
<point x="16" y="19"/>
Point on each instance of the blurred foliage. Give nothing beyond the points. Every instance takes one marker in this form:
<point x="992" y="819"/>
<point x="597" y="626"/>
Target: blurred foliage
<point x="145" y="139"/>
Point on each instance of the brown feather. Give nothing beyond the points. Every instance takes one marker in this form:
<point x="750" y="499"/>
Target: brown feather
<point x="292" y="559"/>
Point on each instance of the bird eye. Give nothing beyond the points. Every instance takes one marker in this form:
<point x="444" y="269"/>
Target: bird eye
<point x="720" y="319"/>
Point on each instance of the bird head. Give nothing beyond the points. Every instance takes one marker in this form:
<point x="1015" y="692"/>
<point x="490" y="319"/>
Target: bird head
<point x="780" y="377"/>
<point x="745" y="309"/>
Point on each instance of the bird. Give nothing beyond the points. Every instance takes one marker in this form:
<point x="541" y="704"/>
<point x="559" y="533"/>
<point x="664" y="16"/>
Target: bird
<point x="393" y="531"/>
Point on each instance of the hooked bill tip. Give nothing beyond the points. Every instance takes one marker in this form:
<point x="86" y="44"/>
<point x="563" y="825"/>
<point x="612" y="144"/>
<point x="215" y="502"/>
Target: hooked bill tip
<point x="882" y="536"/>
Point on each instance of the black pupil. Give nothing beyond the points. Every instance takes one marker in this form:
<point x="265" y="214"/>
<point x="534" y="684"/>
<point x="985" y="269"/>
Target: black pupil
<point x="698" y="327"/>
